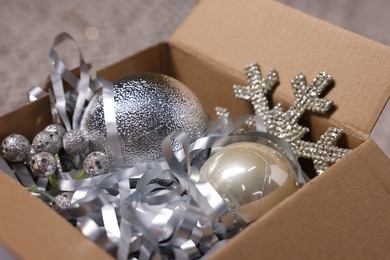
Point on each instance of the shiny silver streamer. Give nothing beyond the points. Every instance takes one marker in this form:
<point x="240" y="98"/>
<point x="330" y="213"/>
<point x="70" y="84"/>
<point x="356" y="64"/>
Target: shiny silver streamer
<point x="181" y="220"/>
<point x="60" y="100"/>
<point x="152" y="220"/>
<point x="111" y="126"/>
<point x="36" y="93"/>
<point x="80" y="85"/>
<point x="23" y="175"/>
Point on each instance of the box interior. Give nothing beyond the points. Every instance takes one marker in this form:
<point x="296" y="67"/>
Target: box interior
<point x="208" y="53"/>
<point x="212" y="86"/>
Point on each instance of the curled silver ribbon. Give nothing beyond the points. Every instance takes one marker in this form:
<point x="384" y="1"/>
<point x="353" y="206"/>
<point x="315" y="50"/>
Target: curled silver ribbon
<point x="176" y="217"/>
<point x="36" y="93"/>
<point x="110" y="119"/>
<point x="80" y="92"/>
<point x="181" y="219"/>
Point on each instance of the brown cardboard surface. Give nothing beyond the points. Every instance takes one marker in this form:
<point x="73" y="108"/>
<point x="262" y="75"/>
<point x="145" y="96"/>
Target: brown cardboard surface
<point x="343" y="214"/>
<point x="33" y="231"/>
<point x="29" y="120"/>
<point x="153" y="59"/>
<point x="230" y="34"/>
<point x="214" y="87"/>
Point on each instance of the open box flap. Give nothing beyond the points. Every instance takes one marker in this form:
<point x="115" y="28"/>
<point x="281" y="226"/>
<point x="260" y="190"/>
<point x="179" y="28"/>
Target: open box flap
<point x="34" y="231"/>
<point x="342" y="214"/>
<point x="230" y="34"/>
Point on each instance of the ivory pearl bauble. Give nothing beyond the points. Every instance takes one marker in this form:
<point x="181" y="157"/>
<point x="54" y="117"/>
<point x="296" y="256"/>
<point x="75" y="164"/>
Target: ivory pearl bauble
<point x="251" y="177"/>
<point x="148" y="107"/>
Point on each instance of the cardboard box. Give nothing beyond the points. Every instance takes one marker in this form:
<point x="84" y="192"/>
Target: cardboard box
<point x="342" y="214"/>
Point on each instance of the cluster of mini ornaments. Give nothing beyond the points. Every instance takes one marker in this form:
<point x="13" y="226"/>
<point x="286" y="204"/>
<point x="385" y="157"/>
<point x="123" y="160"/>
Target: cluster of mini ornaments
<point x="53" y="149"/>
<point x="148" y="107"/>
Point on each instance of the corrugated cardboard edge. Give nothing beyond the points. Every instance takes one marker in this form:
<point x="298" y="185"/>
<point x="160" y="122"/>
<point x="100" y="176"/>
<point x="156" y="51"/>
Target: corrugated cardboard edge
<point x="28" y="114"/>
<point x="230" y="34"/>
<point x="37" y="231"/>
<point x="152" y="59"/>
<point x="214" y="87"/>
<point x="342" y="214"/>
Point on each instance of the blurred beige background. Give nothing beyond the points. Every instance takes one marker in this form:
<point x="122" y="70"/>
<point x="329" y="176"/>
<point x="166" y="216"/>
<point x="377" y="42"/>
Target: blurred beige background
<point x="110" y="30"/>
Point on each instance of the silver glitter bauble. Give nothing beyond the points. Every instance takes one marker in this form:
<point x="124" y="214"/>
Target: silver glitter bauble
<point x="15" y="148"/>
<point x="43" y="164"/>
<point x="96" y="163"/>
<point x="64" y="199"/>
<point x="46" y="141"/>
<point x="251" y="177"/>
<point x="57" y="129"/>
<point x="148" y="107"/>
<point x="75" y="142"/>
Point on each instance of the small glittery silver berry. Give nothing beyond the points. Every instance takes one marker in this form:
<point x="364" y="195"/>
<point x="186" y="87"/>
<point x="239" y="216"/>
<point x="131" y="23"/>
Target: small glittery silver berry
<point x="46" y="141"/>
<point x="64" y="199"/>
<point x="96" y="163"/>
<point x="75" y="142"/>
<point x="15" y="148"/>
<point x="43" y="164"/>
<point x="57" y="129"/>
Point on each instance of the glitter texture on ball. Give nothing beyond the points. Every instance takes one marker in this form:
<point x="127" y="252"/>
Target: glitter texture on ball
<point x="75" y="142"/>
<point x="43" y="164"/>
<point x="57" y="129"/>
<point x="96" y="163"/>
<point x="251" y="177"/>
<point x="148" y="107"/>
<point x="15" y="148"/>
<point x="46" y="141"/>
<point x="64" y="199"/>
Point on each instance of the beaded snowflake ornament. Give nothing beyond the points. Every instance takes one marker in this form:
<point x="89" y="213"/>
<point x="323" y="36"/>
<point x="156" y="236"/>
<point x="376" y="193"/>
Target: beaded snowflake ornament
<point x="284" y="124"/>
